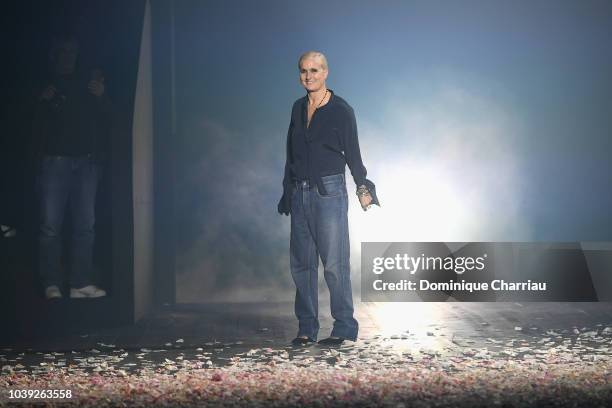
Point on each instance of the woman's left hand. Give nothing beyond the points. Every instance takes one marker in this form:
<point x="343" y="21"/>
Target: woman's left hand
<point x="365" y="201"/>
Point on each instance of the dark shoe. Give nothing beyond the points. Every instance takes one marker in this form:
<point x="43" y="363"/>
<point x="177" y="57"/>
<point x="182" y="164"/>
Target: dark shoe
<point x="301" y="341"/>
<point x="331" y="341"/>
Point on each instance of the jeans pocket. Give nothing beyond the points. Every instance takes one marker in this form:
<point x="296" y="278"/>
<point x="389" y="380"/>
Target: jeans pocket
<point x="334" y="186"/>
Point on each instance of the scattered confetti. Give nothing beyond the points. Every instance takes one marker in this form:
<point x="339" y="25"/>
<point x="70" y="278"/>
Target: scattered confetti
<point x="522" y="369"/>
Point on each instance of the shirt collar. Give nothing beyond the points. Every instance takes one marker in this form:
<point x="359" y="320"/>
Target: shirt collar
<point x="331" y="99"/>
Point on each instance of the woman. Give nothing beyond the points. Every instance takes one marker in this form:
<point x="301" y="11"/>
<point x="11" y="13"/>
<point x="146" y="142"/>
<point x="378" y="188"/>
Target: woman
<point x="321" y="140"/>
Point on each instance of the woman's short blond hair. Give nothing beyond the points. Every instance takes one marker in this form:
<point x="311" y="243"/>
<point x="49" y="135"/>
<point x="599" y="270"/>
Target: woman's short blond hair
<point x="313" y="54"/>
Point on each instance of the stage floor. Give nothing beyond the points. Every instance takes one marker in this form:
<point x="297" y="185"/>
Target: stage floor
<point x="415" y="354"/>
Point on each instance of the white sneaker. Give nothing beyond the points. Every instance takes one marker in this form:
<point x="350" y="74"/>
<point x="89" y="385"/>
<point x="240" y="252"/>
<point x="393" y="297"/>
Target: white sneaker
<point x="89" y="291"/>
<point x="53" y="292"/>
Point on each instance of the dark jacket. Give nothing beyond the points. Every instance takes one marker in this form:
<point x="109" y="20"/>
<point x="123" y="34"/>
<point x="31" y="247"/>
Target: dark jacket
<point x="73" y="123"/>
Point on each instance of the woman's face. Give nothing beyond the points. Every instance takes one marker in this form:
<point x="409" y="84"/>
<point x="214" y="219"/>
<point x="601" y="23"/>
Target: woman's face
<point x="312" y="74"/>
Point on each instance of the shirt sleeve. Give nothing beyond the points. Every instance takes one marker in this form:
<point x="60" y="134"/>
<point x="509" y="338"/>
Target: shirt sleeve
<point x="284" y="204"/>
<point x="350" y="145"/>
<point x="287" y="176"/>
<point x="352" y="154"/>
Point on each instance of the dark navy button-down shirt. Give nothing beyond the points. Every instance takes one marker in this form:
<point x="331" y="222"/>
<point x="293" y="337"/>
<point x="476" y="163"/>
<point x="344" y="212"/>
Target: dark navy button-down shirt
<point x="323" y="148"/>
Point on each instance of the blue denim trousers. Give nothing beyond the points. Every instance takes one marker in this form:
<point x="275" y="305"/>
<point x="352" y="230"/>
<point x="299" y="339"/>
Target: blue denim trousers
<point x="319" y="227"/>
<point x="67" y="182"/>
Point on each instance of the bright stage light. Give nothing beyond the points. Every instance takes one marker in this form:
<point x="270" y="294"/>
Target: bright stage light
<point x="420" y="202"/>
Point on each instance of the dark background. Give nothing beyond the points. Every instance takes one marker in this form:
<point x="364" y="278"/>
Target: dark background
<point x="109" y="34"/>
<point x="478" y="121"/>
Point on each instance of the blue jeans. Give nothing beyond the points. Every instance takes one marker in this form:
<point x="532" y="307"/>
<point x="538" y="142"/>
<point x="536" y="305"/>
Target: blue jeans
<point x="319" y="227"/>
<point x="67" y="181"/>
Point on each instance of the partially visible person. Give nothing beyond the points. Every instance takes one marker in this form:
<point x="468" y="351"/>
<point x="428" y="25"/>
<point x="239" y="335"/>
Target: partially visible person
<point x="71" y="128"/>
<point x="11" y="166"/>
